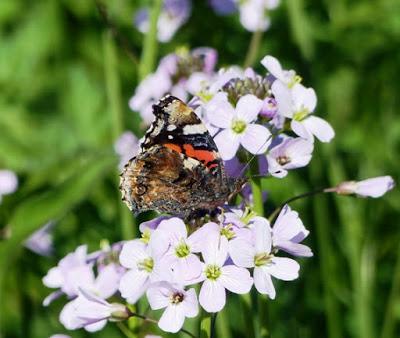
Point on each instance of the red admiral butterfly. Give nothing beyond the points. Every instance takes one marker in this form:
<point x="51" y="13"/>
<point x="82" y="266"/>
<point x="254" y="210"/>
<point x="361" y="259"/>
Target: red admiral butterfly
<point x="178" y="169"/>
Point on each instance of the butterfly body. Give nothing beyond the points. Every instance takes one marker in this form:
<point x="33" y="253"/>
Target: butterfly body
<point x="178" y="169"/>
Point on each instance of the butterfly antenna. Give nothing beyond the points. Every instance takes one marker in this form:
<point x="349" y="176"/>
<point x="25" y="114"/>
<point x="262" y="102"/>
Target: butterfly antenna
<point x="252" y="158"/>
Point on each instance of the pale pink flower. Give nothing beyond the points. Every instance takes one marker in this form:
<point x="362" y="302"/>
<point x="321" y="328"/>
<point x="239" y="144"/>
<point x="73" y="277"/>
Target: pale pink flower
<point x="288" y="231"/>
<point x="217" y="276"/>
<point x="8" y="182"/>
<point x="178" y="303"/>
<point x="238" y="125"/>
<point x="258" y="255"/>
<point x="372" y="187"/>
<point x="291" y="153"/>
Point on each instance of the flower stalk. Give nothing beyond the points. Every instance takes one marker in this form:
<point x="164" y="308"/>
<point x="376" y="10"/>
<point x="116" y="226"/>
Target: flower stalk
<point x="150" y="43"/>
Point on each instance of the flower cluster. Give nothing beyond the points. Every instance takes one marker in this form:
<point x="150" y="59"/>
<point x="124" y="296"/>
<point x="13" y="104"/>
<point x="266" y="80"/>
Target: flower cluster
<point x="180" y="74"/>
<point x="170" y="259"/>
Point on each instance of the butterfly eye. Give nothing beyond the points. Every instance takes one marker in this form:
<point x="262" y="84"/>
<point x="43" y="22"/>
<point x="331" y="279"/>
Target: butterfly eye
<point x="140" y="190"/>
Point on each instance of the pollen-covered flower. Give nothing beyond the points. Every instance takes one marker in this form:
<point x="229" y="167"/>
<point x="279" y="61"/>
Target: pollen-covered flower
<point x="173" y="15"/>
<point x="298" y="104"/>
<point x="238" y="125"/>
<point x="291" y="153"/>
<point x="8" y="182"/>
<point x="258" y="255"/>
<point x="288" y="231"/>
<point x="217" y="276"/>
<point x="371" y="187"/>
<point x="178" y="303"/>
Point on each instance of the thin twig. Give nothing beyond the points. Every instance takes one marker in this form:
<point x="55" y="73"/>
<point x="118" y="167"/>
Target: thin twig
<point x="292" y="199"/>
<point x="121" y="40"/>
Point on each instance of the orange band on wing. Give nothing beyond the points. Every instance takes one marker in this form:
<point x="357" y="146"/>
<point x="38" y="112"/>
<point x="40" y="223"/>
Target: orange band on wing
<point x="204" y="156"/>
<point x="173" y="147"/>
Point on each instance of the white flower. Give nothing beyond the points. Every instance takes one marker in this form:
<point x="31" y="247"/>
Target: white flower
<point x="144" y="268"/>
<point x="291" y="153"/>
<point x="91" y="312"/>
<point x="288" y="231"/>
<point x="218" y="277"/>
<point x="171" y="237"/>
<point x="259" y="256"/>
<point x="177" y="302"/>
<point x="238" y="127"/>
<point x="298" y="103"/>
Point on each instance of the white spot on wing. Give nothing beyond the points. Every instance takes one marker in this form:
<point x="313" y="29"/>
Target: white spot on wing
<point x="171" y="127"/>
<point x="191" y="129"/>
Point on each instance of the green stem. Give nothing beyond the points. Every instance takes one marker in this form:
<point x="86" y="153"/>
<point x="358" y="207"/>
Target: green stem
<point x="260" y="304"/>
<point x="113" y="88"/>
<point x="390" y="318"/>
<point x="205" y="325"/>
<point x="223" y="325"/>
<point x="252" y="51"/>
<point x="150" y="44"/>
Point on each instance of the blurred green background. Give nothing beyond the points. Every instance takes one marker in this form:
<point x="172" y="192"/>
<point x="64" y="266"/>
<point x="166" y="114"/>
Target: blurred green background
<point x="64" y="91"/>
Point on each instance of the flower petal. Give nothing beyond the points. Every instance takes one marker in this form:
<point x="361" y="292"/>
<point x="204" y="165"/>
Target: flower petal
<point x="235" y="279"/>
<point x="107" y="281"/>
<point x="227" y="143"/>
<point x="273" y="66"/>
<point x="300" y="129"/>
<point x="256" y="139"/>
<point x="172" y="319"/>
<point x="294" y="249"/>
<point x="320" y="128"/>
<point x="212" y="296"/>
<point x="132" y="252"/>
<point x="263" y="282"/>
<point x="219" y="111"/>
<point x="248" y="107"/>
<point x="242" y="253"/>
<point x="158" y="295"/>
<point x="262" y="236"/>
<point x="283" y="98"/>
<point x="283" y="268"/>
<point x="190" y="304"/>
<point x="133" y="284"/>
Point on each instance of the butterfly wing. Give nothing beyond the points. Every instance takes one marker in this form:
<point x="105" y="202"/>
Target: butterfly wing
<point x="178" y="169"/>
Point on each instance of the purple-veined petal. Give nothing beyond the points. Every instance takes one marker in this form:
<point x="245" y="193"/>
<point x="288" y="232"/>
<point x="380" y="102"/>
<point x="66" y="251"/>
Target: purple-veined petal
<point x="235" y="279"/>
<point x="212" y="296"/>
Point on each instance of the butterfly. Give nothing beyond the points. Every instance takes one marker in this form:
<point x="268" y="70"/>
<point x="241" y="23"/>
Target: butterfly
<point x="178" y="170"/>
